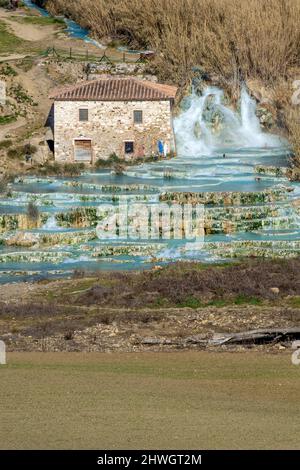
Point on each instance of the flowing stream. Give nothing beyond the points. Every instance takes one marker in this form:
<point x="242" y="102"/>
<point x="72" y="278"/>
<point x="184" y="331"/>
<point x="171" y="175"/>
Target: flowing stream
<point x="74" y="30"/>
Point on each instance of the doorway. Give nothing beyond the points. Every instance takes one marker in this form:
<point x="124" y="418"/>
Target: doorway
<point x="83" y="151"/>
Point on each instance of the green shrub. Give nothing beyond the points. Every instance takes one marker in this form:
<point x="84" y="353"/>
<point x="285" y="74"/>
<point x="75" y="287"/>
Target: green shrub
<point x="245" y="299"/>
<point x="73" y="169"/>
<point x="152" y="158"/>
<point x="4" y="3"/>
<point x="7" y="119"/>
<point x="5" y="144"/>
<point x="29" y="149"/>
<point x="7" y="70"/>
<point x="56" y="169"/>
<point x="21" y="150"/>
<point x="15" y="152"/>
<point x="26" y="63"/>
<point x="100" y="163"/>
<point x="191" y="302"/>
<point x="113" y="158"/>
<point x="20" y="94"/>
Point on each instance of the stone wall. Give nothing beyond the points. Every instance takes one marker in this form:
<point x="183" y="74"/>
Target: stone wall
<point x="110" y="125"/>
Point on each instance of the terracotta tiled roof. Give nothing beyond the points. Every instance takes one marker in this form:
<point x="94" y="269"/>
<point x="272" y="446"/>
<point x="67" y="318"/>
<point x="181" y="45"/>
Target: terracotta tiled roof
<point x="115" y="89"/>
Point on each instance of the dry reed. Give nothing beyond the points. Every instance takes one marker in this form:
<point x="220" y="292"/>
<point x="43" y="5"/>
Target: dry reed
<point x="259" y="39"/>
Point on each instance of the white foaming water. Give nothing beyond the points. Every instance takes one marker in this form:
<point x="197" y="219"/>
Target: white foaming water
<point x="51" y="224"/>
<point x="208" y="125"/>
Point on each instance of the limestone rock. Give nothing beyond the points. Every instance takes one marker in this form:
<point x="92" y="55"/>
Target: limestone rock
<point x="275" y="290"/>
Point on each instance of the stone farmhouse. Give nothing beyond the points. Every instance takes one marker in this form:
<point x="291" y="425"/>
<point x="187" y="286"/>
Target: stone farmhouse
<point x="126" y="116"/>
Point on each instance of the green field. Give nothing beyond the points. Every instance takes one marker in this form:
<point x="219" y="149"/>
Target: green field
<point x="192" y="400"/>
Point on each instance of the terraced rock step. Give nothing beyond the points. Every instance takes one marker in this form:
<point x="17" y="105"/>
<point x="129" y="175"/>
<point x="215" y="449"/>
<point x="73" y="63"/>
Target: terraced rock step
<point x="246" y="243"/>
<point x="278" y="171"/>
<point x="254" y="248"/>
<point x="227" y="226"/>
<point x="35" y="256"/>
<point x="216" y="220"/>
<point x="128" y="249"/>
<point x="227" y="198"/>
<point x="38" y="239"/>
<point x="239" y="213"/>
<point x="35" y="180"/>
<point x="250" y="209"/>
<point x="10" y="222"/>
<point x="53" y="199"/>
<point x="115" y="188"/>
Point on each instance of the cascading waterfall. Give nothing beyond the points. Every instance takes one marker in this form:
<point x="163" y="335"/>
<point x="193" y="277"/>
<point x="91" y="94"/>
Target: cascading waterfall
<point x="208" y="125"/>
<point x="51" y="224"/>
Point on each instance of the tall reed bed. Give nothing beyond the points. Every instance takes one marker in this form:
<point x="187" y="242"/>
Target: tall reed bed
<point x="257" y="38"/>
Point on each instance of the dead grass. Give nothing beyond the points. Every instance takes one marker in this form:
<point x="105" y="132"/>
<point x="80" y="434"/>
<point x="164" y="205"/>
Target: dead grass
<point x="293" y="126"/>
<point x="194" y="285"/>
<point x="106" y="313"/>
<point x="113" y="401"/>
<point x="227" y="37"/>
<point x="185" y="284"/>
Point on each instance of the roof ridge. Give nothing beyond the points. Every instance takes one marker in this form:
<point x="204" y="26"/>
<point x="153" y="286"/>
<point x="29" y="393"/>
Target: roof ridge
<point x="115" y="89"/>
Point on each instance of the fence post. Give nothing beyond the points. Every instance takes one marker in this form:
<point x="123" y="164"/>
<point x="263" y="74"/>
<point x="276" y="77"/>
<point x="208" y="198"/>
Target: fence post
<point x="124" y="57"/>
<point x="70" y="52"/>
<point x="2" y="353"/>
<point x="87" y="55"/>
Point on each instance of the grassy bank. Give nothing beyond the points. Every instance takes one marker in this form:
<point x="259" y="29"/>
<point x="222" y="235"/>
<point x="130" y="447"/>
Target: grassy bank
<point x="8" y="41"/>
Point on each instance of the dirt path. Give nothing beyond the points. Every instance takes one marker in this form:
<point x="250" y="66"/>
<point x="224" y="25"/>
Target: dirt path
<point x="28" y="32"/>
<point x="12" y="57"/>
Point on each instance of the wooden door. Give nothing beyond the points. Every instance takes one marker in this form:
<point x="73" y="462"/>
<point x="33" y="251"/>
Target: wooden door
<point x="83" y="151"/>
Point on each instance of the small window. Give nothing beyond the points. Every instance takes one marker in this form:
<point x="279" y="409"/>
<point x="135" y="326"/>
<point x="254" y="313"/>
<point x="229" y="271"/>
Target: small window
<point x="138" y="117"/>
<point x="83" y="115"/>
<point x="129" y="147"/>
